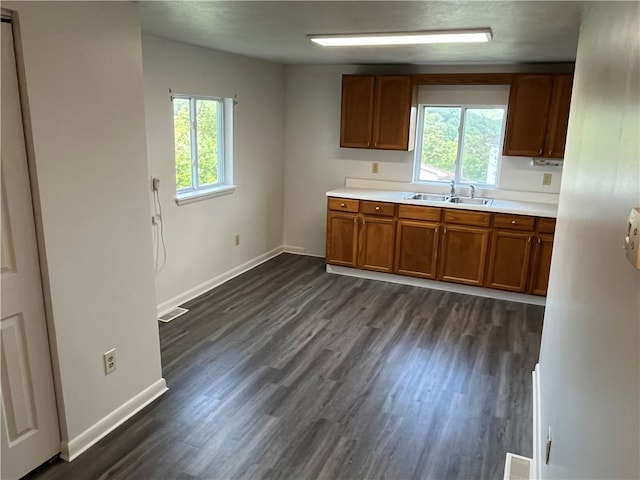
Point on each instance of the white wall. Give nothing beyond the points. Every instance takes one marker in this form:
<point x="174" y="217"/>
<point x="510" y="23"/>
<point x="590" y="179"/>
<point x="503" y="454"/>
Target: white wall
<point x="200" y="237"/>
<point x="314" y="163"/>
<point x="83" y="71"/>
<point x="589" y="362"/>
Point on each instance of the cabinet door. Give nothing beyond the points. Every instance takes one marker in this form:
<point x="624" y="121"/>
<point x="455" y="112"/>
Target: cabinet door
<point x="541" y="265"/>
<point x="508" y="266"/>
<point x="463" y="254"/>
<point x="356" y="124"/>
<point x="416" y="248"/>
<point x="392" y="113"/>
<point x="528" y="115"/>
<point x="342" y="238"/>
<point x="377" y="244"/>
<point x="559" y="116"/>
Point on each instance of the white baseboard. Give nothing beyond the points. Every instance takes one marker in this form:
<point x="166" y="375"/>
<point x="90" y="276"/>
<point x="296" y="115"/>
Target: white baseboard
<point x="536" y="464"/>
<point x="101" y="429"/>
<point x="198" y="290"/>
<point x="299" y="251"/>
<point x="436" y="285"/>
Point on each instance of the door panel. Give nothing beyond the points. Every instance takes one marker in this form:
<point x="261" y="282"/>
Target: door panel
<point x="416" y="248"/>
<point x="464" y="254"/>
<point x="377" y="244"/>
<point x="29" y="427"/>
<point x="342" y="238"/>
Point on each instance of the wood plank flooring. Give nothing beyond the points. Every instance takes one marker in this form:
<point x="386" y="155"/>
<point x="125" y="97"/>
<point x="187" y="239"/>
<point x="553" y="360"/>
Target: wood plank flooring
<point x="287" y="372"/>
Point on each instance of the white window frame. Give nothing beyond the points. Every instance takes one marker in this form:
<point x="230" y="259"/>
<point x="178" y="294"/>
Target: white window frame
<point x="224" y="124"/>
<point x="458" y="171"/>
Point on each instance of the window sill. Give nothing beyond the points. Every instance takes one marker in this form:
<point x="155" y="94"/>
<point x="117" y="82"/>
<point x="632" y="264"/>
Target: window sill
<point x="198" y="196"/>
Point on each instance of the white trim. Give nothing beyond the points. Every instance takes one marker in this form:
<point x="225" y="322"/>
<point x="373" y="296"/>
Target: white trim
<point x="74" y="447"/>
<point x="536" y="463"/>
<point x="192" y="196"/>
<point x="436" y="285"/>
<point x="198" y="290"/>
<point x="299" y="251"/>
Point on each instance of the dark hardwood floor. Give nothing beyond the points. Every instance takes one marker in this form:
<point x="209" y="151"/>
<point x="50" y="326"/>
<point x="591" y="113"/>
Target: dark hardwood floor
<point x="289" y="372"/>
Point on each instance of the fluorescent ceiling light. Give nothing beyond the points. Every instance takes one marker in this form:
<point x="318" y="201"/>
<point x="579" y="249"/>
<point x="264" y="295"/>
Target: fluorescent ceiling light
<point x="402" y="38"/>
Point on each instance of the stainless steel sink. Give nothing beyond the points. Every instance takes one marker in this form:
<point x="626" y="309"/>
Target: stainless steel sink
<point x="430" y="197"/>
<point x="470" y="201"/>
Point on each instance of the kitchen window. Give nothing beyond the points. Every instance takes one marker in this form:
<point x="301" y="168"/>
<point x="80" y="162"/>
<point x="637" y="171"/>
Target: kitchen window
<point x="460" y="143"/>
<point x="203" y="145"/>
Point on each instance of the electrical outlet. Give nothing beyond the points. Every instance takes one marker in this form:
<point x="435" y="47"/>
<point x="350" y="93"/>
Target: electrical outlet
<point x="546" y="179"/>
<point x="374" y="167"/>
<point x="110" y="361"/>
<point x="237" y="239"/>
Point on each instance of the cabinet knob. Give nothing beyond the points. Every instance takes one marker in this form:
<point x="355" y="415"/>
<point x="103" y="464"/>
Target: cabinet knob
<point x="538" y="240"/>
<point x="355" y="220"/>
<point x="529" y="240"/>
<point x="540" y="152"/>
<point x="377" y="209"/>
<point x="513" y="222"/>
<point x="342" y="205"/>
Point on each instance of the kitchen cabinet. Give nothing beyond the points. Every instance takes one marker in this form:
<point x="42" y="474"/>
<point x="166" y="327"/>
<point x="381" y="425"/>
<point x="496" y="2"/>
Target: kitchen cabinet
<point x="356" y="124"/>
<point x="417" y="241"/>
<point x="511" y="246"/>
<point x="497" y="250"/>
<point x="558" y="116"/>
<point x="378" y="111"/>
<point x="342" y="232"/>
<point x="377" y="236"/>
<point x="364" y="240"/>
<point x="465" y="243"/>
<point x="541" y="263"/>
<point x="537" y="115"/>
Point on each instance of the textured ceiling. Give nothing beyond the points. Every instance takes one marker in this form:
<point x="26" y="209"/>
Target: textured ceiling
<point x="523" y="31"/>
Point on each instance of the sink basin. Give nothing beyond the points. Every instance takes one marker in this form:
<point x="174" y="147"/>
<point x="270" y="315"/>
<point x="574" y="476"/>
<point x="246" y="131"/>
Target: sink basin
<point x="470" y="201"/>
<point x="430" y="197"/>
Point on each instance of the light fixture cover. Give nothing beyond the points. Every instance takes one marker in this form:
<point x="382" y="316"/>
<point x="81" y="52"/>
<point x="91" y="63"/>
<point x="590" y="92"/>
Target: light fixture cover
<point x="402" y="38"/>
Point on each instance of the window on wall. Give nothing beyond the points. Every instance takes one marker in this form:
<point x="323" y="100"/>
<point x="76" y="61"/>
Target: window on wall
<point x="203" y="147"/>
<point x="460" y="143"/>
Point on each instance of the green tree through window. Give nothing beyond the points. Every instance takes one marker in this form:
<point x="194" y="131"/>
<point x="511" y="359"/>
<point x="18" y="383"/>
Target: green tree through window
<point x="468" y="136"/>
<point x="198" y="146"/>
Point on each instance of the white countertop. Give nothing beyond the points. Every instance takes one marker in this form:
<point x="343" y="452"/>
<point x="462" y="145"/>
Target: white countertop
<point x="498" y="205"/>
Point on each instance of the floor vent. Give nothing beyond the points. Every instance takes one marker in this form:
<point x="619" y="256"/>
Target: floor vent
<point x="175" y="313"/>
<point x="517" y="467"/>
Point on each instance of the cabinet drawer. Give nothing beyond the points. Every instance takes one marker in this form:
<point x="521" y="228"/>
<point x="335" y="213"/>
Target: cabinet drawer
<point x="414" y="212"/>
<point x="465" y="217"/>
<point x="546" y="225"/>
<point x="513" y="222"/>
<point x="344" y="205"/>
<point x="378" y="208"/>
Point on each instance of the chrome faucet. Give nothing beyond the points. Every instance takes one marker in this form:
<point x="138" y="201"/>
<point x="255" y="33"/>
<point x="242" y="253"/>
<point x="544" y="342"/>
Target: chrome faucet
<point x="453" y="188"/>
<point x="472" y="191"/>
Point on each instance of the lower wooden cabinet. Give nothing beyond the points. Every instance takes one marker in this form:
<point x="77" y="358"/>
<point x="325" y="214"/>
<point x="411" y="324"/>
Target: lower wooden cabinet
<point x="377" y="240"/>
<point x="508" y="266"/>
<point x="342" y="238"/>
<point x="416" y="248"/>
<point x="463" y="254"/>
<point x="362" y="240"/>
<point x="541" y="264"/>
<point x="501" y="251"/>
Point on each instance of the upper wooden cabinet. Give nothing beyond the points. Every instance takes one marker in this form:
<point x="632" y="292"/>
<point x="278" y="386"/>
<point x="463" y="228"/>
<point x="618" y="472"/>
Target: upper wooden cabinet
<point x="537" y="116"/>
<point x="559" y="116"/>
<point x="378" y="111"/>
<point x="357" y="111"/>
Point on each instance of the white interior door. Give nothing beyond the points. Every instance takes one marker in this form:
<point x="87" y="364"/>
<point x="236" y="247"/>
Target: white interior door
<point x="30" y="434"/>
